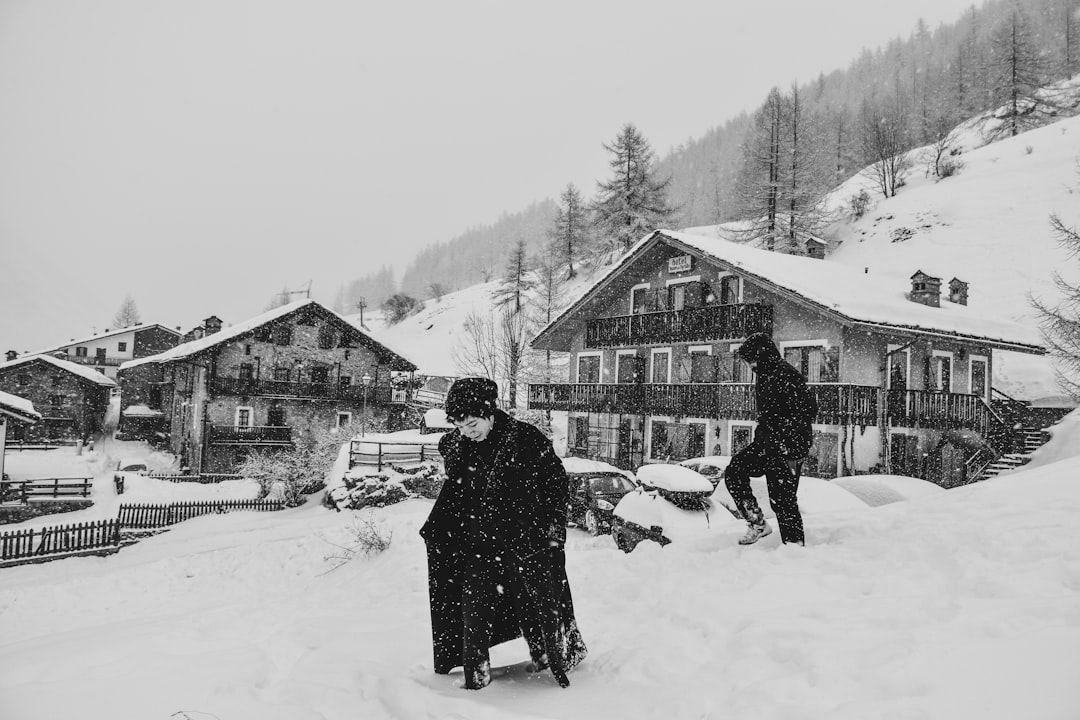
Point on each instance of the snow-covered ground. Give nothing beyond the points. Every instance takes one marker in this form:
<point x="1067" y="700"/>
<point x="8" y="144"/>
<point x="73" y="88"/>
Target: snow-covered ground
<point x="960" y="604"/>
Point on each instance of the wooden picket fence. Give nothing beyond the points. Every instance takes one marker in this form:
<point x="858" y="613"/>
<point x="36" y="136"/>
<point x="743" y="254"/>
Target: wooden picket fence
<point x="205" y="478"/>
<point x="51" y="543"/>
<point x="149" y="516"/>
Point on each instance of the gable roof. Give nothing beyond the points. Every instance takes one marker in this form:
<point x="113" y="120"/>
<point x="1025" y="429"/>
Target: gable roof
<point x="18" y="408"/>
<point x="194" y="347"/>
<point x="106" y="334"/>
<point x="833" y="289"/>
<point x="82" y="371"/>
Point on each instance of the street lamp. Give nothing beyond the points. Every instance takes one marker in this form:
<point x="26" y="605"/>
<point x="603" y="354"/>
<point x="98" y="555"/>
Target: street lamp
<point x="366" y="379"/>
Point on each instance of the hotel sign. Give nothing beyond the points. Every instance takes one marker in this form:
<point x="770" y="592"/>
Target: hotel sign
<point x="680" y="263"/>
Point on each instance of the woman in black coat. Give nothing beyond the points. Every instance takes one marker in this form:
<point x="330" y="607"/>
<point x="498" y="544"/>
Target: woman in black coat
<point x="495" y="536"/>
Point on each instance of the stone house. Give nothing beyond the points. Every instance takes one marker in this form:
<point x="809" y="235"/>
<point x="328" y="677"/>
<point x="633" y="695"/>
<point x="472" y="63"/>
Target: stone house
<point x="72" y="399"/>
<point x="902" y="377"/>
<point x="269" y="382"/>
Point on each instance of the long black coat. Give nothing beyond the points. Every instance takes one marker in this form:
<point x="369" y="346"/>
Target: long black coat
<point x="785" y="407"/>
<point x="517" y="489"/>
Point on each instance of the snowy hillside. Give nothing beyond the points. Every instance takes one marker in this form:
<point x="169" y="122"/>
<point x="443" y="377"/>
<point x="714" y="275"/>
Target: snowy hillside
<point x="429" y="337"/>
<point x="988" y="226"/>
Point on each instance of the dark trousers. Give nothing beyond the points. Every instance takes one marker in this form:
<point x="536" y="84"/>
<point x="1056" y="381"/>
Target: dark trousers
<point x="782" y="479"/>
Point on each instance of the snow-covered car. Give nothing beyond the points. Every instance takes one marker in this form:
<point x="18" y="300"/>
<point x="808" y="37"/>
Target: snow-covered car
<point x="595" y="489"/>
<point x="876" y="490"/>
<point x="132" y="465"/>
<point x="711" y="466"/>
<point x="674" y="503"/>
<point x="650" y="514"/>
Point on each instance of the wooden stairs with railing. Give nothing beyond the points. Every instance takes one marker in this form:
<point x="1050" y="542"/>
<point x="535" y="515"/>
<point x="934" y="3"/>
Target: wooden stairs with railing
<point x="1033" y="439"/>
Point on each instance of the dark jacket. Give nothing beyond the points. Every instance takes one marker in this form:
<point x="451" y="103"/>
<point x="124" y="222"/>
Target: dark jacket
<point x="517" y="490"/>
<point x="785" y="407"/>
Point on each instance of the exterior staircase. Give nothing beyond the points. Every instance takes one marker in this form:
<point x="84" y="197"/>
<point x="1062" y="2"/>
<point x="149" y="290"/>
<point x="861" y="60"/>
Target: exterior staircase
<point x="1032" y="438"/>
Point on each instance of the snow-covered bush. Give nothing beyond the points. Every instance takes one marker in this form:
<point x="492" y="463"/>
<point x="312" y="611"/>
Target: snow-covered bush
<point x="387" y="487"/>
<point x="296" y="472"/>
<point x="859" y="203"/>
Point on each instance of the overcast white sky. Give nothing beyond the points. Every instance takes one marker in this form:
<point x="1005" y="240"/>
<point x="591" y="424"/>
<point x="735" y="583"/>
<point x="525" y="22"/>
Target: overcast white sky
<point x="202" y="154"/>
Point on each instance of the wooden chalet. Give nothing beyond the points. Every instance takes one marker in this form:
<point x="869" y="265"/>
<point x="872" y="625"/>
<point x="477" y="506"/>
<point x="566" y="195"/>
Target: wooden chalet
<point x="269" y="382"/>
<point x="902" y="377"/>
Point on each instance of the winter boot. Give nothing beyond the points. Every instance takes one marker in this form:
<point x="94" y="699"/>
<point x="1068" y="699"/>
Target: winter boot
<point x="479" y="677"/>
<point x="754" y="532"/>
<point x="538" y="665"/>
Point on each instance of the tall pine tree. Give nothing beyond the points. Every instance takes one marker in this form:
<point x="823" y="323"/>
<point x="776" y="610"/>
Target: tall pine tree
<point x="517" y="281"/>
<point x="633" y="202"/>
<point x="569" y="235"/>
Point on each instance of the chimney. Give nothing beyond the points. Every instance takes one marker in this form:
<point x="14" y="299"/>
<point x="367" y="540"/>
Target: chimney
<point x="11" y="355"/>
<point x="958" y="291"/>
<point x="925" y="289"/>
<point x="212" y="324"/>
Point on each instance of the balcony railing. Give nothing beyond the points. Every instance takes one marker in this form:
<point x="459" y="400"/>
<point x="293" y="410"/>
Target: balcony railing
<point x="944" y="411"/>
<point x="95" y="360"/>
<point x="837" y="403"/>
<point x="703" y="324"/>
<point x="250" y="435"/>
<point x="286" y="388"/>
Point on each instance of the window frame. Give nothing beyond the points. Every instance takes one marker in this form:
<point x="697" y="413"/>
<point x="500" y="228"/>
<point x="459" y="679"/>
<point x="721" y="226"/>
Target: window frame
<point x="633" y="289"/>
<point x="906" y="352"/>
<point x="250" y="416"/>
<point x="653" y="352"/>
<point x="723" y="276"/>
<point x="985" y="360"/>
<point x="734" y="425"/>
<point x="935" y="369"/>
<point x="599" y="355"/>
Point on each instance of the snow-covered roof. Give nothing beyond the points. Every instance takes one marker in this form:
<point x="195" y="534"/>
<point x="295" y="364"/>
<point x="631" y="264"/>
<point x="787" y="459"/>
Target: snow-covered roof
<point x="18" y="408"/>
<point x="108" y="333"/>
<point x="82" y="371"/>
<point x="141" y="411"/>
<point x="836" y="289"/>
<point x="193" y="347"/>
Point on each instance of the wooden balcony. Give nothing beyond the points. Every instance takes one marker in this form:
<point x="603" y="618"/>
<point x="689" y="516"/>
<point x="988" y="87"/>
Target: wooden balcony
<point x="250" y="435"/>
<point x="703" y="324"/>
<point x="286" y="388"/>
<point x="837" y="402"/>
<point x="944" y="411"/>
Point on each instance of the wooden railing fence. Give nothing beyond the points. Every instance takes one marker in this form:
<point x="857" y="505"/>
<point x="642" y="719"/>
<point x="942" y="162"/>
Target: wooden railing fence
<point x="156" y="515"/>
<point x="51" y="543"/>
<point x="26" y="490"/>
<point x="379" y="454"/>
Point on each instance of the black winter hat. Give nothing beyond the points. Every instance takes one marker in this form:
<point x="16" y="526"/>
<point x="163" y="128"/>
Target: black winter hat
<point x="471" y="397"/>
<point x="758" y="347"/>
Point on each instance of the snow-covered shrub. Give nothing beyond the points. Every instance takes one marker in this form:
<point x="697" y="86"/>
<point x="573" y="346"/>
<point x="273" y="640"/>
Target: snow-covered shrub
<point x="425" y="480"/>
<point x="387" y="487"/>
<point x="859" y="203"/>
<point x="367" y="538"/>
<point x="293" y="473"/>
